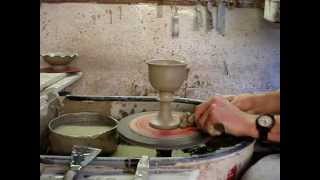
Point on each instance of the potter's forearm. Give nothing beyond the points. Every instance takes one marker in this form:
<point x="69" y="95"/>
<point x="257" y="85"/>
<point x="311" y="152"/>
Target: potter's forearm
<point x="267" y="103"/>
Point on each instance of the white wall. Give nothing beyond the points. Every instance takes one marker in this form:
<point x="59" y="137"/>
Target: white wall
<point x="112" y="56"/>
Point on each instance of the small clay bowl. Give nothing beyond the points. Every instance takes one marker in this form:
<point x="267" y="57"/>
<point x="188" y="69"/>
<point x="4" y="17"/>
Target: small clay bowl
<point x="59" y="60"/>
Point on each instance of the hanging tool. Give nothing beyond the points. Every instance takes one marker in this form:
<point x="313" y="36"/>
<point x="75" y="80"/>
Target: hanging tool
<point x="198" y="20"/>
<point x="209" y="16"/>
<point x="221" y="17"/>
<point x="160" y="9"/>
<point x="80" y="157"/>
<point x="175" y="23"/>
<point x="222" y="6"/>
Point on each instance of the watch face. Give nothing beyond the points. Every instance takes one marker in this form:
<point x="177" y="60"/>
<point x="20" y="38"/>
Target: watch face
<point x="265" y="121"/>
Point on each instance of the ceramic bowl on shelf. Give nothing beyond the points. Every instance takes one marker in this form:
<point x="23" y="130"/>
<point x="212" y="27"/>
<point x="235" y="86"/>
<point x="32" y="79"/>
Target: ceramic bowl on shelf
<point x="59" y="60"/>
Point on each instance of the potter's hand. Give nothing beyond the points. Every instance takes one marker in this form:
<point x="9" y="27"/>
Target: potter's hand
<point x="245" y="102"/>
<point x="189" y="120"/>
<point x="219" y="110"/>
<point x="263" y="103"/>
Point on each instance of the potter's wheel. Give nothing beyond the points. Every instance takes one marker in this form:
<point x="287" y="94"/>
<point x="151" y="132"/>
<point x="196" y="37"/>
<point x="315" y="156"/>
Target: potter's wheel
<point x="136" y="130"/>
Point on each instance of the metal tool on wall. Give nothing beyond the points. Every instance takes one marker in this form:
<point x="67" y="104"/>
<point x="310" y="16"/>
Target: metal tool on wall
<point x="160" y="9"/>
<point x="80" y="157"/>
<point x="209" y="16"/>
<point x="221" y="16"/>
<point x="175" y="23"/>
<point x="198" y="20"/>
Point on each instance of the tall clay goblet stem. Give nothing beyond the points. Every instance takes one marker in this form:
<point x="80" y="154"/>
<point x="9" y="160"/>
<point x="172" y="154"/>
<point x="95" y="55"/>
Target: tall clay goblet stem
<point x="164" y="119"/>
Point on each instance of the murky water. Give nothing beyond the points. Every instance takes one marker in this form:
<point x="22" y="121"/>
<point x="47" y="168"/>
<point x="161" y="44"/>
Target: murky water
<point x="81" y="131"/>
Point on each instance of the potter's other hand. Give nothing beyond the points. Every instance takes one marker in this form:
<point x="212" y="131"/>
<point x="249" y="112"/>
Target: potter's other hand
<point x="202" y="108"/>
<point x="189" y="120"/>
<point x="263" y="103"/>
<point x="245" y="102"/>
<point x="219" y="110"/>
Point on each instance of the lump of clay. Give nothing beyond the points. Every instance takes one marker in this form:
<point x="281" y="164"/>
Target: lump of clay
<point x="188" y="120"/>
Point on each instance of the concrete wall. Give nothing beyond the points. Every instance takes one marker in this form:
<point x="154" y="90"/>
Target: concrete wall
<point x="114" y="41"/>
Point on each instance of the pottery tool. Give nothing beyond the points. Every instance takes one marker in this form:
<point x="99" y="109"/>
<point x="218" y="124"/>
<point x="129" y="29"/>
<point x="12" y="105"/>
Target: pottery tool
<point x="120" y="12"/>
<point x="80" y="157"/>
<point x="209" y="16"/>
<point x="175" y="23"/>
<point x="198" y="20"/>
<point x="221" y="17"/>
<point x="160" y="9"/>
<point x="142" y="172"/>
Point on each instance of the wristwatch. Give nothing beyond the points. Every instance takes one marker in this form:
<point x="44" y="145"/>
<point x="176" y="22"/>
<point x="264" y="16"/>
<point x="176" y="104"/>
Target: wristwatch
<point x="264" y="123"/>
